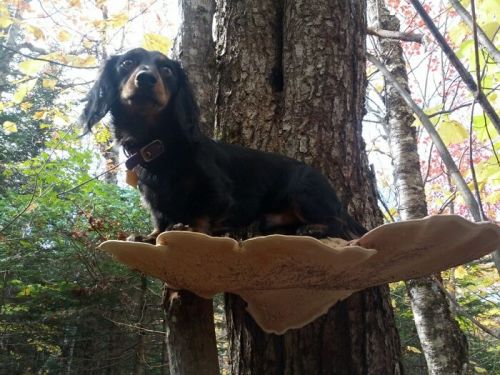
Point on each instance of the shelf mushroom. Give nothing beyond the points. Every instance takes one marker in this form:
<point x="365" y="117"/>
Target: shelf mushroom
<point x="288" y="281"/>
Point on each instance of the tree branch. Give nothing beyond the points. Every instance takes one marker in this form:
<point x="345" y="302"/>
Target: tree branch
<point x="462" y="71"/>
<point x="399" y="35"/>
<point x="482" y="37"/>
<point x="436" y="139"/>
<point x="46" y="60"/>
<point x="461" y="311"/>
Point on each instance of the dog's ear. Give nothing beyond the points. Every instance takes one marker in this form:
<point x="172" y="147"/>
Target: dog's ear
<point x="101" y="95"/>
<point x="185" y="107"/>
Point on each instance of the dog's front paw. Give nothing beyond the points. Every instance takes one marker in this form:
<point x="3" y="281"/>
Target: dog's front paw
<point x="180" y="226"/>
<point x="150" y="238"/>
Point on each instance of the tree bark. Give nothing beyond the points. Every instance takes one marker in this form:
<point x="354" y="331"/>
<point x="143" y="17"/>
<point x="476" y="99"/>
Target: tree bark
<point x="312" y="113"/>
<point x="192" y="349"/>
<point x="443" y="343"/>
<point x="196" y="51"/>
<point x="250" y="80"/>
<point x="139" y="362"/>
<point x="191" y="343"/>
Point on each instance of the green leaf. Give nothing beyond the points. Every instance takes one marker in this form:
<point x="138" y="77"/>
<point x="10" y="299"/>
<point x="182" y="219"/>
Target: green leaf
<point x="490" y="29"/>
<point x="451" y="131"/>
<point x="483" y="128"/>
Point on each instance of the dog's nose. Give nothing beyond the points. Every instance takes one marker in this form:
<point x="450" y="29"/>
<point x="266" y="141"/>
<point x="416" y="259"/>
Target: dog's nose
<point x="145" y="79"/>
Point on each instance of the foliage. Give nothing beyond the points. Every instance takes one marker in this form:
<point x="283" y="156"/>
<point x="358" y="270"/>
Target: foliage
<point x="473" y="143"/>
<point x="65" y="307"/>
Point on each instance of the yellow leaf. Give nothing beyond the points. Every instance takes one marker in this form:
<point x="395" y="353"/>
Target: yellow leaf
<point x="413" y="349"/>
<point x="31" y="67"/>
<point x="5" y="21"/>
<point x="86" y="61"/>
<point x="74" y="3"/>
<point x="98" y="24"/>
<point x="118" y="20"/>
<point x="32" y="207"/>
<point x="88" y="44"/>
<point x="9" y="127"/>
<point x="451" y="131"/>
<point x="26" y="105"/>
<point x="36" y="31"/>
<point x="100" y="3"/>
<point x="492" y="198"/>
<point x="39" y="115"/>
<point x="73" y="60"/>
<point x="156" y="42"/>
<point x="49" y="84"/>
<point x="23" y="90"/>
<point x="63" y="36"/>
<point x="460" y="272"/>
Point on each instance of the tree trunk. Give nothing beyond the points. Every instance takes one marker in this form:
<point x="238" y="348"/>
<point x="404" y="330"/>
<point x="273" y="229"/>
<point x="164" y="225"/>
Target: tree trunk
<point x="196" y="51"/>
<point x="444" y="345"/>
<point x="191" y="342"/>
<point x="139" y="361"/>
<point x="192" y="349"/>
<point x="292" y="79"/>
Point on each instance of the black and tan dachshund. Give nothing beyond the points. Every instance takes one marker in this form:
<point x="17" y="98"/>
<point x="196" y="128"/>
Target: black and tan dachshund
<point x="186" y="177"/>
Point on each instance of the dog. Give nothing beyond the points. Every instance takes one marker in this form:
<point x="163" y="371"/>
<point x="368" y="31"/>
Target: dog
<point x="186" y="177"/>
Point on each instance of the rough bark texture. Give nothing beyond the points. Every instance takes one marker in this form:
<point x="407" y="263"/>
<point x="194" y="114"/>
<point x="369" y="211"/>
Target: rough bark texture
<point x="191" y="342"/>
<point x="444" y="345"/>
<point x="196" y="51"/>
<point x="250" y="79"/>
<point x="316" y="117"/>
<point x="192" y="349"/>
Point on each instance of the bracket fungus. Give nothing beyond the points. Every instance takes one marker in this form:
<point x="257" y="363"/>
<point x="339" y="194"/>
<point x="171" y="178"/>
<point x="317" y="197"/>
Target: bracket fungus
<point x="288" y="281"/>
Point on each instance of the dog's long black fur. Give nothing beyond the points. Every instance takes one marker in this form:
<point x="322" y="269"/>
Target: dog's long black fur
<point x="208" y="185"/>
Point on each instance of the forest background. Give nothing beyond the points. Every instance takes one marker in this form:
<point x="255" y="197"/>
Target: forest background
<point x="65" y="307"/>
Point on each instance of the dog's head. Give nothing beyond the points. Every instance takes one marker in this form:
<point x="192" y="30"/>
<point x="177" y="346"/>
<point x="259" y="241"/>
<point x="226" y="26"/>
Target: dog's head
<point x="141" y="85"/>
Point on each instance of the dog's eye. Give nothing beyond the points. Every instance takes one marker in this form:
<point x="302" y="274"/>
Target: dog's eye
<point x="166" y="70"/>
<point x="127" y="64"/>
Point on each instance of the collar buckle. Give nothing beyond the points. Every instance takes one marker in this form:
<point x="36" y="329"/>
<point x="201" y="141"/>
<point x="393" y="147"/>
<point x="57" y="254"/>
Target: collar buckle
<point x="145" y="154"/>
<point x="152" y="150"/>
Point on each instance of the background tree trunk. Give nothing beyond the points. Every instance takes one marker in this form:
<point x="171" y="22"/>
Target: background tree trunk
<point x="191" y="343"/>
<point x="443" y="343"/>
<point x="313" y="113"/>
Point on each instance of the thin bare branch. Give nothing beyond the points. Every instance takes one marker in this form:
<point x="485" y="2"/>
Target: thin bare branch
<point x="46" y="60"/>
<point x="440" y="146"/>
<point x="481" y="35"/>
<point x="461" y="311"/>
<point x="464" y="73"/>
<point x="398" y="35"/>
